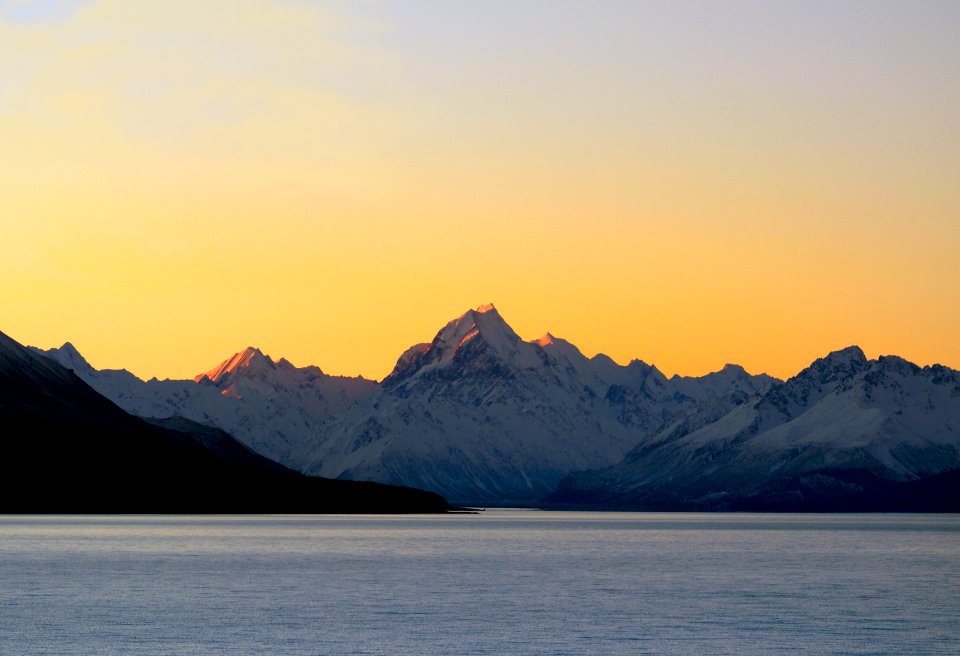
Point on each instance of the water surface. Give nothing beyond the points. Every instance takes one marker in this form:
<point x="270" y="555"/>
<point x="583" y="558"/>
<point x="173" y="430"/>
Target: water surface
<point x="502" y="582"/>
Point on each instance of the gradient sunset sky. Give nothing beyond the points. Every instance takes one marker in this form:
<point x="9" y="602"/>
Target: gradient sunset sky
<point x="689" y="183"/>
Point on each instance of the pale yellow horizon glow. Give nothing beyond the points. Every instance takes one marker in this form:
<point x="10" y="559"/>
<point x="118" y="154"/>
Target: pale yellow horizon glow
<point x="181" y="180"/>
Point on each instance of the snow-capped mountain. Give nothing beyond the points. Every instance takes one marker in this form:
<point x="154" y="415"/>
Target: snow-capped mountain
<point x="844" y="428"/>
<point x="275" y="408"/>
<point x="487" y="417"/>
<point x="482" y="416"/>
<point x="477" y="414"/>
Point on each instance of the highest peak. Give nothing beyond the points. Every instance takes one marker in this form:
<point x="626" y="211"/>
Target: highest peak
<point x="475" y="331"/>
<point x="485" y="318"/>
<point x="487" y="311"/>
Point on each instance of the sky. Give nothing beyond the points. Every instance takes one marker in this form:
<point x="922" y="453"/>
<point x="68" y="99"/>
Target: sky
<point x="688" y="183"/>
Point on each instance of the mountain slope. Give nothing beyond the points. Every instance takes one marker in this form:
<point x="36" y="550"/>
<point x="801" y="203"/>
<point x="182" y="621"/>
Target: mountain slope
<point x="68" y="449"/>
<point x="843" y="433"/>
<point x="274" y="408"/>
<point x="477" y="414"/>
<point x="482" y="416"/>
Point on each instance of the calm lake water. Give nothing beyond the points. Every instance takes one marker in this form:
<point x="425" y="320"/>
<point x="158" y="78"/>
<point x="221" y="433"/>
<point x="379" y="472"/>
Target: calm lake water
<point x="502" y="582"/>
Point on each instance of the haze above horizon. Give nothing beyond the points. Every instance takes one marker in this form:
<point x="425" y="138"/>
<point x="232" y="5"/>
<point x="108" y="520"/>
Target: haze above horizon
<point x="686" y="183"/>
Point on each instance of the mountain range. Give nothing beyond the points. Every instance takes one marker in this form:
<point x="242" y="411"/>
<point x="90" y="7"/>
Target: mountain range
<point x="481" y="416"/>
<point x="67" y="448"/>
<point x="845" y="433"/>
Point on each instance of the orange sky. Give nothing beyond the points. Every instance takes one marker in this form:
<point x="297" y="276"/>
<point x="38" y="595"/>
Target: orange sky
<point x="686" y="183"/>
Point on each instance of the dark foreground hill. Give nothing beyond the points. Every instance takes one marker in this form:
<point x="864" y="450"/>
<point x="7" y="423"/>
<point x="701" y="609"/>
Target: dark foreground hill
<point x="65" y="448"/>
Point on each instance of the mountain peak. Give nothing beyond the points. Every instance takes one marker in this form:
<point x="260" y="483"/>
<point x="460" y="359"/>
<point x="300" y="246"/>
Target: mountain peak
<point x="557" y="345"/>
<point x="250" y="357"/>
<point x="850" y="353"/>
<point x="850" y="359"/>
<point x="480" y="329"/>
<point x="835" y="366"/>
<point x="67" y="356"/>
<point x="252" y="352"/>
<point x="485" y="321"/>
<point x="734" y="370"/>
<point x="546" y="340"/>
<point x="69" y="348"/>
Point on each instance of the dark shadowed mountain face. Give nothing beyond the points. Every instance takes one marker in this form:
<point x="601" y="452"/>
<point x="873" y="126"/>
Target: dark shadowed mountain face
<point x="846" y="433"/>
<point x="68" y="449"/>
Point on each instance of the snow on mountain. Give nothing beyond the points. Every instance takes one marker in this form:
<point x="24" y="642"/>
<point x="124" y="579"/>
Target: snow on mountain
<point x="477" y="414"/>
<point x="482" y="416"/>
<point x="275" y="408"/>
<point x="476" y="343"/>
<point x="249" y="360"/>
<point x="842" y="418"/>
<point x="486" y="417"/>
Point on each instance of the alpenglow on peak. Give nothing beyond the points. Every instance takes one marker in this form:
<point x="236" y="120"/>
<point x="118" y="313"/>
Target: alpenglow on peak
<point x="546" y="340"/>
<point x="245" y="358"/>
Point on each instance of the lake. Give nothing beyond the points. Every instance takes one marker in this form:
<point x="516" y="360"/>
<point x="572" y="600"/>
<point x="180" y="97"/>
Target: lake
<point x="500" y="582"/>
